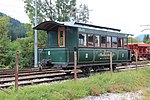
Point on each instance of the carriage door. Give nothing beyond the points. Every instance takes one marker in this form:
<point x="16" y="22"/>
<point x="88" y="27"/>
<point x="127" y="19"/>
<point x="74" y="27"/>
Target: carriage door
<point x="61" y="37"/>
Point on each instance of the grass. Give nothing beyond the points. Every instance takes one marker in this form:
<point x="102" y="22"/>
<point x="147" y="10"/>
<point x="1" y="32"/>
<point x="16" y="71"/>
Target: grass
<point x="146" y="94"/>
<point x="94" y="85"/>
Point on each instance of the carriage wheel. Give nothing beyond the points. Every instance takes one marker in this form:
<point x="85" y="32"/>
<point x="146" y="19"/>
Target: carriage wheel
<point x="95" y="68"/>
<point x="86" y="70"/>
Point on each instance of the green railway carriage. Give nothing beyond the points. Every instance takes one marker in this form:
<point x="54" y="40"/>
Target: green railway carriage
<point x="93" y="44"/>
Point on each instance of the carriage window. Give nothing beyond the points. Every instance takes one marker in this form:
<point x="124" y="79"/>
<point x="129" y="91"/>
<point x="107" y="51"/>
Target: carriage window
<point x="103" y="41"/>
<point x="61" y="37"/>
<point x="125" y="42"/>
<point x="119" y="42"/>
<point x="114" y="42"/>
<point x="108" y="42"/>
<point x="90" y="40"/>
<point x="82" y="39"/>
<point x="97" y="41"/>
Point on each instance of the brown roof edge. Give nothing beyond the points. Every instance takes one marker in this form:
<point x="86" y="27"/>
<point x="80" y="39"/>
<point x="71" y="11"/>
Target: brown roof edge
<point x="47" y="25"/>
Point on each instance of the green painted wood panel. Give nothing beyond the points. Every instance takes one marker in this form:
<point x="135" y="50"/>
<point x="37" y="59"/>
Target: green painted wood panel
<point x="57" y="55"/>
<point x="71" y="41"/>
<point x="52" y="39"/>
<point x="123" y="55"/>
<point x="85" y="55"/>
<point x="71" y="37"/>
<point x="101" y="55"/>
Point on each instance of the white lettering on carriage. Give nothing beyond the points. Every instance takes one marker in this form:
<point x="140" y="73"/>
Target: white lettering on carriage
<point x="81" y="30"/>
<point x="49" y="53"/>
<point x="86" y="55"/>
<point x="122" y="54"/>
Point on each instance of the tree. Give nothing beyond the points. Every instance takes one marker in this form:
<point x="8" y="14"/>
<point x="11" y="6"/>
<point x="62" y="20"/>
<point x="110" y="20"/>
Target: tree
<point x="83" y="15"/>
<point x="57" y="10"/>
<point x="148" y="41"/>
<point x="27" y="46"/>
<point x="132" y="40"/>
<point x="16" y="28"/>
<point x="146" y="38"/>
<point x="64" y="9"/>
<point x="7" y="48"/>
<point x="25" y="51"/>
<point x="4" y="40"/>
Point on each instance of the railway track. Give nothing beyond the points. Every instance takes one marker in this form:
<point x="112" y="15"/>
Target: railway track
<point x="132" y="66"/>
<point x="35" y="77"/>
<point x="30" y="76"/>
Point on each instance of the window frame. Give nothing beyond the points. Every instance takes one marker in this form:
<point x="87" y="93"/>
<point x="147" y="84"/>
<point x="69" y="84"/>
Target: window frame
<point x="110" y="45"/>
<point x="99" y="36"/>
<point x="126" y="43"/>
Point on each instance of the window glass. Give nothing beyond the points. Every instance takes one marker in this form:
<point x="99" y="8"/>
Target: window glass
<point x="119" y="42"/>
<point x="125" y="41"/>
<point x="90" y="40"/>
<point x="61" y="38"/>
<point x="97" y="42"/>
<point x="103" y="41"/>
<point x="82" y="39"/>
<point x="114" y="42"/>
<point x="108" y="42"/>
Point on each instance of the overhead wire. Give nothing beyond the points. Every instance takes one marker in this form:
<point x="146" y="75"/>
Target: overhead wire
<point x="12" y="10"/>
<point x="10" y="5"/>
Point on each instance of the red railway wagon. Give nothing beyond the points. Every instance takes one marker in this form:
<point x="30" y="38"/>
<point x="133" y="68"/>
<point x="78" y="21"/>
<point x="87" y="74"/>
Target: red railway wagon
<point x="142" y="49"/>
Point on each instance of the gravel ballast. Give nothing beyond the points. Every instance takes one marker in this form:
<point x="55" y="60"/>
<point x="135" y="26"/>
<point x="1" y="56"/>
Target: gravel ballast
<point x="116" y="96"/>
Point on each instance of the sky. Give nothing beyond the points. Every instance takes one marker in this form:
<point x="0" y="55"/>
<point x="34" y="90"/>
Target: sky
<point x="131" y="16"/>
<point x="15" y="9"/>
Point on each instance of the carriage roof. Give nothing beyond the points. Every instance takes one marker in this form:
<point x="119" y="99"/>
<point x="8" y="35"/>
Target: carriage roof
<point x="51" y="25"/>
<point x="48" y="25"/>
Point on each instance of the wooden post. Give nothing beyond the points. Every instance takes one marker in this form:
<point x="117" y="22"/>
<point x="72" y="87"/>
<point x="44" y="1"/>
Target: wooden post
<point x="136" y="59"/>
<point x="75" y="63"/>
<point x="111" y="62"/>
<point x="16" y="72"/>
<point x="41" y="57"/>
